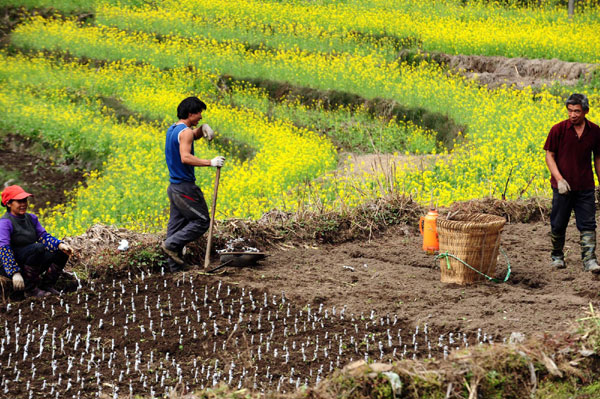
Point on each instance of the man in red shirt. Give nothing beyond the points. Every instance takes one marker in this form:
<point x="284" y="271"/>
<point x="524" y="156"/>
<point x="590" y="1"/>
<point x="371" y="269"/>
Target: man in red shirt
<point x="569" y="148"/>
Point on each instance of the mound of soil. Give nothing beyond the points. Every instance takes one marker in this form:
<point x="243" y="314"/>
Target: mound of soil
<point x="518" y="72"/>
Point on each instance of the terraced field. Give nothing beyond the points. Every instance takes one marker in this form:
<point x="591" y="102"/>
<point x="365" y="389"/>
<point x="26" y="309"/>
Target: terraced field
<point x="300" y="94"/>
<point x="106" y="83"/>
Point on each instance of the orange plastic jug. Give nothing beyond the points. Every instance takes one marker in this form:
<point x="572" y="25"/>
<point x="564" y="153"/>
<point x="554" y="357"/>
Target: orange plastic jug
<point x="428" y="228"/>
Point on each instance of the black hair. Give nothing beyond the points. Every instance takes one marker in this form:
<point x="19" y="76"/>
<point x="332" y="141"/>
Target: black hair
<point x="191" y="105"/>
<point x="579" y="99"/>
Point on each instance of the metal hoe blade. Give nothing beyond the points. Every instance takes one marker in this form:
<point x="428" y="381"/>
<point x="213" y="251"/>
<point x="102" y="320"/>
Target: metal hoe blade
<point x="239" y="259"/>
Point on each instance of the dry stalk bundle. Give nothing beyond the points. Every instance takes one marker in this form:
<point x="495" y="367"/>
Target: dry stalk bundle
<point x="515" y="211"/>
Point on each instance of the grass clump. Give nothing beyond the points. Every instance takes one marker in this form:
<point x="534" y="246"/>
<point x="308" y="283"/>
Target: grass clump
<point x="532" y="369"/>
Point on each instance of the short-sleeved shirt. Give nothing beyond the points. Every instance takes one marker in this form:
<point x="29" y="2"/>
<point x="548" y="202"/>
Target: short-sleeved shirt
<point x="178" y="171"/>
<point x="573" y="154"/>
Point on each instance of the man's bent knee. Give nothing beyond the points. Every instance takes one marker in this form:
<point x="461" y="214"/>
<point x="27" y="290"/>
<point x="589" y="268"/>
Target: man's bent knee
<point x="199" y="226"/>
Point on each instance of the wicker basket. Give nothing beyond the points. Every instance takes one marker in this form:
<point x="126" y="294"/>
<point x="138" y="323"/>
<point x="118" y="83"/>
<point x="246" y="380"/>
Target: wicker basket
<point x="474" y="238"/>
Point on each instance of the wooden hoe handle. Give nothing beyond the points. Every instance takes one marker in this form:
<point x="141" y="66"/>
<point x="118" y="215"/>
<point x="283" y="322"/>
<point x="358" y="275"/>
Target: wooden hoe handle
<point x="212" y="220"/>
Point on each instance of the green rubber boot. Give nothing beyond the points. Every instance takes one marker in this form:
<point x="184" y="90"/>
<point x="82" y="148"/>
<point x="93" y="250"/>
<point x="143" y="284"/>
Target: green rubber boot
<point x="557" y="254"/>
<point x="588" y="252"/>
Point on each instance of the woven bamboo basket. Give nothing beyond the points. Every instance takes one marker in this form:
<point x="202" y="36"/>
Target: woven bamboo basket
<point x="474" y="238"/>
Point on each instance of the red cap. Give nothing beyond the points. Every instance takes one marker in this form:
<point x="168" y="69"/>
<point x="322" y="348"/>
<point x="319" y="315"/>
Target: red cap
<point x="13" y="193"/>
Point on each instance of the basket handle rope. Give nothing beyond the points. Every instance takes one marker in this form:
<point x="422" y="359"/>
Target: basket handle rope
<point x="447" y="256"/>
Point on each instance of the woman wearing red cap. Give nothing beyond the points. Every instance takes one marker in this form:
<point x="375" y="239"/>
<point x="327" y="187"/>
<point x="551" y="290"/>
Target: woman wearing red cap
<point x="29" y="255"/>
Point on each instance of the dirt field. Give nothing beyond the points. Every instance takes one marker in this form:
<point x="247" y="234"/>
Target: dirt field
<point x="290" y="321"/>
<point x="392" y="275"/>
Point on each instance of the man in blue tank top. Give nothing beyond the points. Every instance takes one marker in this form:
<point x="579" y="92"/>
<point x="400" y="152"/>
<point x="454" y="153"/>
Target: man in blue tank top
<point x="188" y="217"/>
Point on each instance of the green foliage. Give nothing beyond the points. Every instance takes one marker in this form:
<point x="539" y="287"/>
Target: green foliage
<point x="350" y="130"/>
<point x="382" y="389"/>
<point x="145" y="258"/>
<point x="593" y="82"/>
<point x="6" y="176"/>
<point x="76" y="130"/>
<point x="567" y="389"/>
<point x="66" y="6"/>
<point x="590" y="326"/>
<point x="495" y="383"/>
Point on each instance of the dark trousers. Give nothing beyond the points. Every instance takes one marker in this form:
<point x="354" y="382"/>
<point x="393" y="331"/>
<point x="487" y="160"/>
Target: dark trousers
<point x="188" y="216"/>
<point x="584" y="205"/>
<point x="36" y="260"/>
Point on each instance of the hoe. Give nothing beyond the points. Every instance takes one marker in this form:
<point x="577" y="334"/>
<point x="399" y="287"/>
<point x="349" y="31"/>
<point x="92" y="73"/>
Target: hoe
<point x="235" y="259"/>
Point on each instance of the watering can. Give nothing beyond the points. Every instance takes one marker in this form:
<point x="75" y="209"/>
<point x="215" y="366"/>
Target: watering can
<point x="428" y="229"/>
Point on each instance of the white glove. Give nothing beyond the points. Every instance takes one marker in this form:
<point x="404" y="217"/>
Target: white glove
<point x="563" y="187"/>
<point x="217" y="161"/>
<point x="18" y="283"/>
<point x="66" y="248"/>
<point x="207" y="132"/>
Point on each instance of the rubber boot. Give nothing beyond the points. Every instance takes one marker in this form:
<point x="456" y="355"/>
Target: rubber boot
<point x="57" y="261"/>
<point x="50" y="278"/>
<point x="31" y="275"/>
<point x="557" y="254"/>
<point x="37" y="293"/>
<point x="588" y="251"/>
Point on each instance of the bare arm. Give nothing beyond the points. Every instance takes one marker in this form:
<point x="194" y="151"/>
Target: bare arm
<point x="186" y="138"/>
<point x="551" y="162"/>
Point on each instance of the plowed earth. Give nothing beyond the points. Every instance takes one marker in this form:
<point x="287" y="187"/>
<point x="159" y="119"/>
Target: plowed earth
<point x="286" y="322"/>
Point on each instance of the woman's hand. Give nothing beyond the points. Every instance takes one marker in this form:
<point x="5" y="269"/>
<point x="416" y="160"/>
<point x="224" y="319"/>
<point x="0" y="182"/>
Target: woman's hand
<point x="66" y="248"/>
<point x="18" y="283"/>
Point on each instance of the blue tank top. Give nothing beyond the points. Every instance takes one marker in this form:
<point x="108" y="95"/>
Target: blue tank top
<point x="178" y="171"/>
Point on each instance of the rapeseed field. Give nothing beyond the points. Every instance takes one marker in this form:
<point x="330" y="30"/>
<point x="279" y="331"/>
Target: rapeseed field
<point x="283" y="153"/>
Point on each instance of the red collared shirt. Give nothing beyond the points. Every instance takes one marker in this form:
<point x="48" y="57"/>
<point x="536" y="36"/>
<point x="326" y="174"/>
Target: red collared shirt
<point x="573" y="154"/>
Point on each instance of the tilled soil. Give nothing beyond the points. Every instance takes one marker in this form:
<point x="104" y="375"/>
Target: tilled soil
<point x="392" y="275"/>
<point x="148" y="335"/>
<point x="288" y="322"/>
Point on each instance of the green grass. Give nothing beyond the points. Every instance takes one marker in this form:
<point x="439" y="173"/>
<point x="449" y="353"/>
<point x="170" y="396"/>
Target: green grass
<point x="8" y="176"/>
<point x="66" y="6"/>
<point x="567" y="390"/>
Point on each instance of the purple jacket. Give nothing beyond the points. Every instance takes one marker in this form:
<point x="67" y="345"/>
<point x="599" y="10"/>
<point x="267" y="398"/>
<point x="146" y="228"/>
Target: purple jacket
<point x="7" y="257"/>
